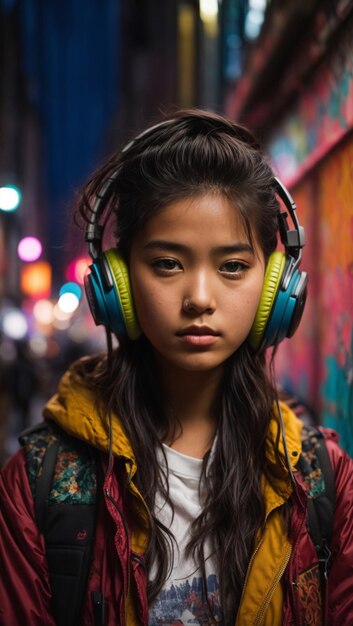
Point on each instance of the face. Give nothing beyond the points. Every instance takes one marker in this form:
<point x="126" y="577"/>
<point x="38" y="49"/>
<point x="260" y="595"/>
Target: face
<point x="196" y="282"/>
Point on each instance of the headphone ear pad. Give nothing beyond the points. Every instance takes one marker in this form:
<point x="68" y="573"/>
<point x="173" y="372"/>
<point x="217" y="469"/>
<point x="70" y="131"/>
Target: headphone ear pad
<point x="121" y="280"/>
<point x="272" y="281"/>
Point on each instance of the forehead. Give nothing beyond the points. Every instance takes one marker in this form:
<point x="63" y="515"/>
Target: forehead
<point x="208" y="219"/>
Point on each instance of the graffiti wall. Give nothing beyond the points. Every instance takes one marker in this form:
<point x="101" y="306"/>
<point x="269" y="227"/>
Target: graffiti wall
<point x="317" y="362"/>
<point x="335" y="209"/>
<point x="297" y="360"/>
<point x="322" y="116"/>
<point x="312" y="150"/>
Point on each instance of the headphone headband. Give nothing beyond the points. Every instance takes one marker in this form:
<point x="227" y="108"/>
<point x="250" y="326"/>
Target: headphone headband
<point x="292" y="239"/>
<point x="94" y="230"/>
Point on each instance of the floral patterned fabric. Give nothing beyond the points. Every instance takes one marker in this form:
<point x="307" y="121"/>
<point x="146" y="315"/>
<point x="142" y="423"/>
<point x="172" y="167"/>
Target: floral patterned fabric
<point x="74" y="480"/>
<point x="309" y="464"/>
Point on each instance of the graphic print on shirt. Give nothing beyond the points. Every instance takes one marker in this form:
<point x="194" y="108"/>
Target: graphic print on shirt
<point x="183" y="598"/>
<point x="184" y="602"/>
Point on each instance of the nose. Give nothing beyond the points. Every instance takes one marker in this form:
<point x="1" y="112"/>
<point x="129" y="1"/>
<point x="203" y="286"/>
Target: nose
<point x="199" y="296"/>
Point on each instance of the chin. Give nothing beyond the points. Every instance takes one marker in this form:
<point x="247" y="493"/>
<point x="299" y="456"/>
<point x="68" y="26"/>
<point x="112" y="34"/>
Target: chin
<point x="198" y="364"/>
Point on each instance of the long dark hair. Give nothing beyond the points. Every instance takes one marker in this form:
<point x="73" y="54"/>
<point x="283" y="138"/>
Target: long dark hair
<point x="193" y="153"/>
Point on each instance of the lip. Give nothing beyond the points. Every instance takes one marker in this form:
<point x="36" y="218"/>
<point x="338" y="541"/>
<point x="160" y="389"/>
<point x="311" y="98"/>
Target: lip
<point x="197" y="331"/>
<point x="198" y="335"/>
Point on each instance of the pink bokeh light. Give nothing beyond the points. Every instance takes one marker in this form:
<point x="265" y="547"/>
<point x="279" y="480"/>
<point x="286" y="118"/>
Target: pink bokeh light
<point x="29" y="249"/>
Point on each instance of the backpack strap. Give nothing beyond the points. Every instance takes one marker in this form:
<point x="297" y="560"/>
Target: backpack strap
<point x="63" y="477"/>
<point x="316" y="469"/>
<point x="43" y="485"/>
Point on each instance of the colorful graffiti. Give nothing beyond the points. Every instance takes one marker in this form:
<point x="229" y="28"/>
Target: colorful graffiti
<point x="321" y="117"/>
<point x="335" y="194"/>
<point x="337" y="392"/>
<point x="318" y="362"/>
<point x="297" y="359"/>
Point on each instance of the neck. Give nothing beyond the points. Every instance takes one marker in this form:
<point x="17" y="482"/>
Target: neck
<point x="192" y="400"/>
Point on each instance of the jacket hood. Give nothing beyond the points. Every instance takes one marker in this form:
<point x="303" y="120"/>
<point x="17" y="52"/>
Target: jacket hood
<point x="74" y="409"/>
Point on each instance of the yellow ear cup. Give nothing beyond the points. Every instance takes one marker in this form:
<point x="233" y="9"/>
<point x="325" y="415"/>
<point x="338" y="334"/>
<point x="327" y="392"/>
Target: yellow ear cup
<point x="123" y="289"/>
<point x="273" y="275"/>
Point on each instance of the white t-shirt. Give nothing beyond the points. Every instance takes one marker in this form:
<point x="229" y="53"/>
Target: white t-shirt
<point x="182" y="599"/>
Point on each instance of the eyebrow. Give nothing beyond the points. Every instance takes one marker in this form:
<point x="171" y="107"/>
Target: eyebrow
<point x="161" y="244"/>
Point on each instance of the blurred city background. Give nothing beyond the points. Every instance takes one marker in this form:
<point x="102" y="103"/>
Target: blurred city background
<point x="80" y="77"/>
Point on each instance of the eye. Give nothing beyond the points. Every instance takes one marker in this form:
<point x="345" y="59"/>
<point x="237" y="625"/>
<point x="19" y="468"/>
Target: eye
<point x="233" y="269"/>
<point x="166" y="266"/>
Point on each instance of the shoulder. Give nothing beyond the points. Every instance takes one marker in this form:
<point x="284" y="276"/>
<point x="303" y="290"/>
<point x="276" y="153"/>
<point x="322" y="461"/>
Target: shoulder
<point x="341" y="462"/>
<point x="13" y="476"/>
<point x="313" y="436"/>
<point x="318" y="437"/>
<point x="74" y="463"/>
<point x="337" y="469"/>
<point x="16" y="499"/>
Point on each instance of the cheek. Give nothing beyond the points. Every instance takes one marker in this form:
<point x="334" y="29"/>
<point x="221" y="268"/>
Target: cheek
<point x="254" y="301"/>
<point x="152" y="306"/>
<point x="241" y="310"/>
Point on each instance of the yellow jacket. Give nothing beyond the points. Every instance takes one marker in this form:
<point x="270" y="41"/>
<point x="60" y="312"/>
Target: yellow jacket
<point x="74" y="410"/>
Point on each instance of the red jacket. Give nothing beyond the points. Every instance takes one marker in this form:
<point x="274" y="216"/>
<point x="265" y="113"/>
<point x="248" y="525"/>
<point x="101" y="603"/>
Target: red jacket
<point x="283" y="573"/>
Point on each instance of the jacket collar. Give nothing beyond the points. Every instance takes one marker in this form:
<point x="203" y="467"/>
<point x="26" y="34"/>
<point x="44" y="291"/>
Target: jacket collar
<point x="74" y="409"/>
<point x="277" y="484"/>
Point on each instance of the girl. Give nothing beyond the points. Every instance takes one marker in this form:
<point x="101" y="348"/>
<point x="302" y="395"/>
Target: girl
<point x="177" y="434"/>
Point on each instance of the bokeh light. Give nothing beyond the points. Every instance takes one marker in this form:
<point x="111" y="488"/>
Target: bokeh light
<point x="10" y="198"/>
<point x="29" y="249"/>
<point x="14" y="324"/>
<point x="208" y="8"/>
<point x="60" y="315"/>
<point x="71" y="287"/>
<point x="36" y="279"/>
<point x="77" y="269"/>
<point x="68" y="302"/>
<point x="43" y="311"/>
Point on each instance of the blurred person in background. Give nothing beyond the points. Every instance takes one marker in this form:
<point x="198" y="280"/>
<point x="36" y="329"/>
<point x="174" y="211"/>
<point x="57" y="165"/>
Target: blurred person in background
<point x="22" y="383"/>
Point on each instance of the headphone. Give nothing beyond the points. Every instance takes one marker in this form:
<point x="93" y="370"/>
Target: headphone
<point x="283" y="296"/>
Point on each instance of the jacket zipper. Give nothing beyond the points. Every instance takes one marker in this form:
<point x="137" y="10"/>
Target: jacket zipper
<point x="275" y="581"/>
<point x="249" y="568"/>
<point x="252" y="559"/>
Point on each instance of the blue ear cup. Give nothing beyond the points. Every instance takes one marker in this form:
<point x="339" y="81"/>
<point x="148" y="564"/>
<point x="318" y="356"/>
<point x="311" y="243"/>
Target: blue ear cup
<point x="281" y="303"/>
<point x="109" y="295"/>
